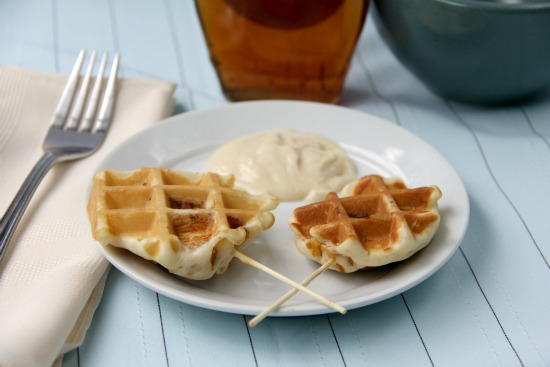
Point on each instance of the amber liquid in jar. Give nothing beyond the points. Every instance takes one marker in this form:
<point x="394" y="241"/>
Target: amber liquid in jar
<point x="282" y="49"/>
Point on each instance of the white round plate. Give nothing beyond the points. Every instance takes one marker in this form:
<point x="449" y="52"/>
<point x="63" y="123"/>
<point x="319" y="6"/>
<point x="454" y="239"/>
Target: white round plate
<point x="186" y="141"/>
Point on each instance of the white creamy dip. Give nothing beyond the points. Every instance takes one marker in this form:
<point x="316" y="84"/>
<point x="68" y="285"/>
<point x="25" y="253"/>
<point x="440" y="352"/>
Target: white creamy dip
<point x="289" y="164"/>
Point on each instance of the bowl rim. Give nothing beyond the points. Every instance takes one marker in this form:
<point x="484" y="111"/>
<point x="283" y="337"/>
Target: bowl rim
<point x="498" y="6"/>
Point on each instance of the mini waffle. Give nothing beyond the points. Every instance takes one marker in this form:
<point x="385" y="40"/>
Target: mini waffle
<point x="376" y="222"/>
<point x="188" y="223"/>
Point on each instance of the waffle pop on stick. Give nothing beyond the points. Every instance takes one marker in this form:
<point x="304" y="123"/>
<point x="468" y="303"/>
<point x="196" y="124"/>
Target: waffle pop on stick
<point x="377" y="221"/>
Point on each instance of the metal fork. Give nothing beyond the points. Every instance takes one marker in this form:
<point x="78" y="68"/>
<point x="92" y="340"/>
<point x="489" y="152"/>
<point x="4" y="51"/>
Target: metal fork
<point x="72" y="134"/>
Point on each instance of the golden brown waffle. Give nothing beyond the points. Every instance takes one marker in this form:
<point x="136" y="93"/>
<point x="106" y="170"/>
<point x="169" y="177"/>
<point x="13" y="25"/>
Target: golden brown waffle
<point x="189" y="223"/>
<point x="376" y="222"/>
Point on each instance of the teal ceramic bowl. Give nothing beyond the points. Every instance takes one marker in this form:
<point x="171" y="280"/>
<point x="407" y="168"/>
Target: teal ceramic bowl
<point x="482" y="51"/>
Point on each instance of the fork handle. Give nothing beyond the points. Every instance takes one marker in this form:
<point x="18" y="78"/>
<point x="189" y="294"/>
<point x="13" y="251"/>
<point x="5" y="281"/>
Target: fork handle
<point x="8" y="223"/>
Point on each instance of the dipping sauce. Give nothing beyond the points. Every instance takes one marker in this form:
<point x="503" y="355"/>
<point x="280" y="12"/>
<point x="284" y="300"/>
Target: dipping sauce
<point x="289" y="164"/>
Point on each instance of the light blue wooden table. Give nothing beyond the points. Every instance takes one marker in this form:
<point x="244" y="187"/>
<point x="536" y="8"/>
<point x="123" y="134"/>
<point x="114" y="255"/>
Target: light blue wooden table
<point x="489" y="306"/>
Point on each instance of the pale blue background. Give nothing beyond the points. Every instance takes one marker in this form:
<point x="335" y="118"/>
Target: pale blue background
<point x="489" y="306"/>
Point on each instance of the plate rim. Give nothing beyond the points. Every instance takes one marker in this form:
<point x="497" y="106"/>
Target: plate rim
<point x="306" y="309"/>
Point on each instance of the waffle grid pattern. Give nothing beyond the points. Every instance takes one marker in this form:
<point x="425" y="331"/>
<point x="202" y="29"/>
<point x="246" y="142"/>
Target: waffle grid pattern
<point x="169" y="204"/>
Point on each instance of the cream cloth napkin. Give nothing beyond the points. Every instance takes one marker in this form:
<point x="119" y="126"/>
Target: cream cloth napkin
<point x="52" y="276"/>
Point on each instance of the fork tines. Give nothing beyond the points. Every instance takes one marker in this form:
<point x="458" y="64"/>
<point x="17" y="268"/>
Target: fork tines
<point x="86" y="100"/>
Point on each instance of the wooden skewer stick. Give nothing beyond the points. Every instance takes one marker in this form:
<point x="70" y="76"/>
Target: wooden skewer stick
<point x="262" y="315"/>
<point x="249" y="261"/>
